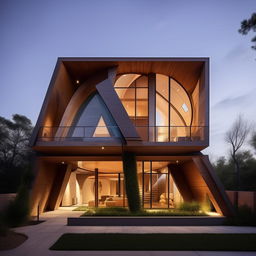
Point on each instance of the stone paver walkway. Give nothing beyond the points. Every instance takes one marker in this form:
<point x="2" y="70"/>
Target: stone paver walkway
<point x="42" y="236"/>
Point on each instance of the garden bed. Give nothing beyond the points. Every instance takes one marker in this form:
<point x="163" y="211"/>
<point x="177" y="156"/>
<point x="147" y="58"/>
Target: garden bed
<point x="120" y="211"/>
<point x="187" y="215"/>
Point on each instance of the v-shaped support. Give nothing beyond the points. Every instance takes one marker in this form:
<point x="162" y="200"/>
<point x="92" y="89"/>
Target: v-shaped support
<point x="116" y="108"/>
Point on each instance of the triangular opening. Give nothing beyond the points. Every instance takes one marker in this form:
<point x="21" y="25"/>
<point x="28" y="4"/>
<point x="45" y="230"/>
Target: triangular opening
<point x="101" y="129"/>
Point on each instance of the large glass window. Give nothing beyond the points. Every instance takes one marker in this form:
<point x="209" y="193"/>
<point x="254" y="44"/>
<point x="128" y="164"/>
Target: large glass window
<point x="173" y="110"/>
<point x="162" y="118"/>
<point x="181" y="103"/>
<point x="157" y="187"/>
<point x="132" y="90"/>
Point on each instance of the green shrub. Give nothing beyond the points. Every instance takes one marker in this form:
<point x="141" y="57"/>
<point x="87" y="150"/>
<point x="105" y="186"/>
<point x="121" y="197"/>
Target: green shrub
<point x="190" y="206"/>
<point x="17" y="212"/>
<point x="244" y="217"/>
<point x="119" y="211"/>
<point x="131" y="181"/>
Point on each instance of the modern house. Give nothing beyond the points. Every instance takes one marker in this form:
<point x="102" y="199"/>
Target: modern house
<point x="97" y="109"/>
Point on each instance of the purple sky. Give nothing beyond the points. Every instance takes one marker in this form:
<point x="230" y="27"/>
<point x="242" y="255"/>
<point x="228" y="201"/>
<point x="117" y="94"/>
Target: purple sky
<point x="34" y="33"/>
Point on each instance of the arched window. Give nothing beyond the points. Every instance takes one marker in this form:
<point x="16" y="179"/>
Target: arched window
<point x="132" y="90"/>
<point x="173" y="109"/>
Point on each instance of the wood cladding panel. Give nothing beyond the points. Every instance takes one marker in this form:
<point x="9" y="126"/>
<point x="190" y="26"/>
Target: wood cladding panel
<point x="186" y="71"/>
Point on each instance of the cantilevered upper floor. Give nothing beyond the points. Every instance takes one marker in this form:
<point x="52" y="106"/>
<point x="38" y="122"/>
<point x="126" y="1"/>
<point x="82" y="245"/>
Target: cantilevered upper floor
<point x="101" y="105"/>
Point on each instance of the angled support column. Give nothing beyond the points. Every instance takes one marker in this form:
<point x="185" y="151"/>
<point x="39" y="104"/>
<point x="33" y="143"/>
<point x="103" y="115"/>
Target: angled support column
<point x="60" y="183"/>
<point x="114" y="105"/>
<point x="46" y="173"/>
<point x="219" y="197"/>
<point x="181" y="182"/>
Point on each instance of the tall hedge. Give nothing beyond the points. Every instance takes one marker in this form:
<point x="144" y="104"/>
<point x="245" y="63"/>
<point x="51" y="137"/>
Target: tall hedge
<point x="17" y="212"/>
<point x="131" y="181"/>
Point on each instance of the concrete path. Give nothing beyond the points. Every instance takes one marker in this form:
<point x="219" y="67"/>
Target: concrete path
<point x="42" y="236"/>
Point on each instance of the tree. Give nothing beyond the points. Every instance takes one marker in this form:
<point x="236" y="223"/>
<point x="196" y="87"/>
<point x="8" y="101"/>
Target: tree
<point x="225" y="170"/>
<point x="15" y="154"/>
<point x="247" y="25"/>
<point x="253" y="140"/>
<point x="236" y="137"/>
<point x="14" y="139"/>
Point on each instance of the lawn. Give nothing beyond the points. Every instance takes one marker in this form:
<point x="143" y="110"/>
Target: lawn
<point x="156" y="242"/>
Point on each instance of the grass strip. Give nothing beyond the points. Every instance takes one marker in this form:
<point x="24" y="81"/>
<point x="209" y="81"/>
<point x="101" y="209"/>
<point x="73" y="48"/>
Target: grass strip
<point x="155" y="242"/>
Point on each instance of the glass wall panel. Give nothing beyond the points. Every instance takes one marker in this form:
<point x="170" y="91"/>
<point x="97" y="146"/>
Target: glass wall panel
<point x="162" y="119"/>
<point x="178" y="130"/>
<point x="135" y="100"/>
<point x="142" y="81"/>
<point x="142" y="102"/>
<point x="157" y="187"/>
<point x="159" y="184"/>
<point x="173" y="107"/>
<point x="127" y="97"/>
<point x="181" y="101"/>
<point x="162" y="85"/>
<point x="126" y="80"/>
<point x="93" y="114"/>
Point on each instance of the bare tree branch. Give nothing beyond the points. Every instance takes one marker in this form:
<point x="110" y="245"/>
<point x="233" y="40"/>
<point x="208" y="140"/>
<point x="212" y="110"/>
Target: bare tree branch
<point x="236" y="137"/>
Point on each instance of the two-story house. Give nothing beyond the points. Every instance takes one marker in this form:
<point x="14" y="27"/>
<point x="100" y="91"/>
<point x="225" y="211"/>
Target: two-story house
<point x="96" y="109"/>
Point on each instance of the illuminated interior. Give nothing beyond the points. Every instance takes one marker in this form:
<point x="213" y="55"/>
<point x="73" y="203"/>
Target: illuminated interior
<point x="156" y="185"/>
<point x="173" y="108"/>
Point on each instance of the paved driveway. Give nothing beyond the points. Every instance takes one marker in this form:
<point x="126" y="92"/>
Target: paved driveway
<point x="42" y="236"/>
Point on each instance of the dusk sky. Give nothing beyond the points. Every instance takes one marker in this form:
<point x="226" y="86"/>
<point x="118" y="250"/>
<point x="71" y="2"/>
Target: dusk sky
<point x="33" y="34"/>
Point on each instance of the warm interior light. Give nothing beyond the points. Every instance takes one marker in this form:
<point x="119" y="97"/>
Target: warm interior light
<point x="62" y="162"/>
<point x="77" y="81"/>
<point x="177" y="161"/>
<point x="102" y="148"/>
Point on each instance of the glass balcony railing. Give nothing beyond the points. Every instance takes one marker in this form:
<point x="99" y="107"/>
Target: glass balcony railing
<point x="147" y="133"/>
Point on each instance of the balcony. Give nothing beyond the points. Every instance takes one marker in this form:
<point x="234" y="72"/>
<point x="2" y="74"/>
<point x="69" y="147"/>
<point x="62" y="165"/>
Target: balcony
<point x="161" y="134"/>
